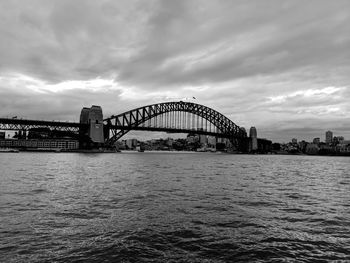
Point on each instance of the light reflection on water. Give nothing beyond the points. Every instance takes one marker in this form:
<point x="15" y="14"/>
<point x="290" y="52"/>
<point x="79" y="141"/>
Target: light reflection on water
<point x="163" y="207"/>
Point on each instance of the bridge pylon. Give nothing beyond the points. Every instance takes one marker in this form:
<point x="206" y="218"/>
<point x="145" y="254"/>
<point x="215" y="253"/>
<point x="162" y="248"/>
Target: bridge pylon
<point x="91" y="135"/>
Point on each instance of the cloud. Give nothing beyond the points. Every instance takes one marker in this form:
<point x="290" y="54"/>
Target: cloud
<point x="263" y="64"/>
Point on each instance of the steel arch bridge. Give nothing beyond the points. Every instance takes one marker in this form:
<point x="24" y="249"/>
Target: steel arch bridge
<point x="179" y="117"/>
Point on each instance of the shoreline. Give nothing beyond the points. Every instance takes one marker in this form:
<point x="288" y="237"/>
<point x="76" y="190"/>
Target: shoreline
<point x="53" y="150"/>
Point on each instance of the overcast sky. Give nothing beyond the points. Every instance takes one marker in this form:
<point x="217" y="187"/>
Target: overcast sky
<point x="281" y="66"/>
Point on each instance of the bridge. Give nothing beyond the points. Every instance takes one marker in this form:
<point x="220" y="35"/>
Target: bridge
<point x="172" y="117"/>
<point x="177" y="117"/>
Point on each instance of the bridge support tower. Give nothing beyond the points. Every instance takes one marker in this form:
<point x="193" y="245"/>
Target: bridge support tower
<point x="91" y="134"/>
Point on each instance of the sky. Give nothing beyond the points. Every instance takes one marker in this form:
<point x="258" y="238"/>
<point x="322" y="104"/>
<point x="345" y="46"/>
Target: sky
<point x="281" y="66"/>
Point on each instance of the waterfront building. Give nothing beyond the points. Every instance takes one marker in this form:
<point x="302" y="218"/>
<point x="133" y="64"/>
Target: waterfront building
<point x="325" y="149"/>
<point x="59" y="144"/>
<point x="131" y="143"/>
<point x="264" y="145"/>
<point x="329" y="137"/>
<point x="211" y="141"/>
<point x="203" y="140"/>
<point x="121" y="145"/>
<point x="343" y="147"/>
<point x="338" y="139"/>
<point x="192" y="138"/>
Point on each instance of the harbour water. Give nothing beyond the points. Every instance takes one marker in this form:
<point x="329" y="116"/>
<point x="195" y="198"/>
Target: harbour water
<point x="173" y="207"/>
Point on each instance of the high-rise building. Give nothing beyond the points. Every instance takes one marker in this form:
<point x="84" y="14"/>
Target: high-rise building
<point x="253" y="132"/>
<point x="253" y="139"/>
<point x="329" y="137"/>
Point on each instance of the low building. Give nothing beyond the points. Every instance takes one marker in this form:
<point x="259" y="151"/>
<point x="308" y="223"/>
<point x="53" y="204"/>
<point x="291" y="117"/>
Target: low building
<point x="212" y="141"/>
<point x="343" y="147"/>
<point x="60" y="144"/>
<point x="131" y="144"/>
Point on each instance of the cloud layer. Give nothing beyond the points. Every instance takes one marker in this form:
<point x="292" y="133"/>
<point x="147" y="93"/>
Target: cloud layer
<point x="282" y="66"/>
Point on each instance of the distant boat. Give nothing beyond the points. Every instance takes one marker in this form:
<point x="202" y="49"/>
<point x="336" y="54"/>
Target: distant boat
<point x="8" y="150"/>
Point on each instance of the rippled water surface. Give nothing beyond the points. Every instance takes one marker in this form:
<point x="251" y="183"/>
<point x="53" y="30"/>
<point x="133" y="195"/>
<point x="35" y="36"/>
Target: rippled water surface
<point x="173" y="207"/>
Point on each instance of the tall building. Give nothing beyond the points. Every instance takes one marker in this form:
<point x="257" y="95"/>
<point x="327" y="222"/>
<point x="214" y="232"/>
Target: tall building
<point x="329" y="137"/>
<point x="253" y="132"/>
<point x="253" y="139"/>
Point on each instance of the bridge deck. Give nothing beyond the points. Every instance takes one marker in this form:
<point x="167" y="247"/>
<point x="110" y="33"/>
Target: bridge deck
<point x="24" y="124"/>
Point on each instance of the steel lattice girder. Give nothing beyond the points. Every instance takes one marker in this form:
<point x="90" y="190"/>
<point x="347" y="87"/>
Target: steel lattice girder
<point x="124" y="122"/>
<point x="26" y="125"/>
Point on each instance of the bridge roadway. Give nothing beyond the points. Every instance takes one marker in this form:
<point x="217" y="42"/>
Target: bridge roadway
<point x="24" y="124"/>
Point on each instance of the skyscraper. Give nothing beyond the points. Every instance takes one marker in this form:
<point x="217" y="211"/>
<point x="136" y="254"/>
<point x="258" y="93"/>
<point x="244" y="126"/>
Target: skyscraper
<point x="329" y="137"/>
<point x="253" y="139"/>
<point x="253" y="132"/>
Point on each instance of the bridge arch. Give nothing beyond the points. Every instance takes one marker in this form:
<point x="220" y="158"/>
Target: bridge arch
<point x="119" y="125"/>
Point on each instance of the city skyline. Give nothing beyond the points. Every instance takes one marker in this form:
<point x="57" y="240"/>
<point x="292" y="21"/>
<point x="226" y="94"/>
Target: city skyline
<point x="281" y="67"/>
<point x="138" y="135"/>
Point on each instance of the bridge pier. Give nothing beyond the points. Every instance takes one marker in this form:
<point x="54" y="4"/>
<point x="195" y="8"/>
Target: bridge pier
<point x="91" y="133"/>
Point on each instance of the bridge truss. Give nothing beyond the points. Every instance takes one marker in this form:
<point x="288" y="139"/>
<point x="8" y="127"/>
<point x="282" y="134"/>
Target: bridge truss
<point x="179" y="117"/>
<point x="26" y="125"/>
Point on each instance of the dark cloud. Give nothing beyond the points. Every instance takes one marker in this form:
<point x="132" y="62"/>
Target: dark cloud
<point x="239" y="57"/>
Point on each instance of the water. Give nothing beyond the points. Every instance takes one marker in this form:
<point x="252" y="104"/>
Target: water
<point x="173" y="207"/>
